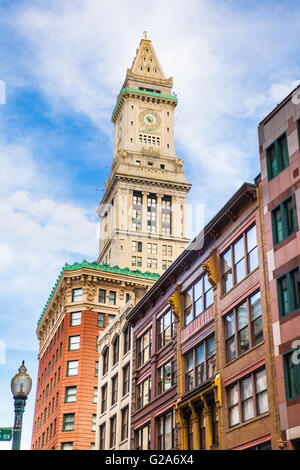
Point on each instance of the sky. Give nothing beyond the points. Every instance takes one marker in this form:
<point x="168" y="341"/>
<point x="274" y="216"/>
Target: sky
<point x="62" y="65"/>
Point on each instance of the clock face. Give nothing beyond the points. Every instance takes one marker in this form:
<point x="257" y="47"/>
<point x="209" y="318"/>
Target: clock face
<point x="149" y="119"/>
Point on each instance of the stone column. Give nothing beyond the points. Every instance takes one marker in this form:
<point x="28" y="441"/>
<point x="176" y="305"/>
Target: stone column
<point x="195" y="428"/>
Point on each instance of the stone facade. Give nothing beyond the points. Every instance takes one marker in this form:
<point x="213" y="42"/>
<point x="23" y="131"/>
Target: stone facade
<point x="143" y="211"/>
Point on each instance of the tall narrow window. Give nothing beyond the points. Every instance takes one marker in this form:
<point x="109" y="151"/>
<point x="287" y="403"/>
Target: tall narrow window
<point x="113" y="428"/>
<point x="165" y="328"/>
<point x="144" y="347"/>
<point x="102" y="436"/>
<point x="151" y="213"/>
<point x="75" y="318"/>
<point x="166" y="215"/>
<point x="137" y="211"/>
<point x="283" y="221"/>
<point x="288" y="291"/>
<point x="116" y="351"/>
<point x="291" y="376"/>
<point x="127" y="339"/>
<point x="165" y="438"/>
<point x="105" y="357"/>
<point x="277" y="157"/>
<point x="114" y="389"/>
<point x="124" y="423"/>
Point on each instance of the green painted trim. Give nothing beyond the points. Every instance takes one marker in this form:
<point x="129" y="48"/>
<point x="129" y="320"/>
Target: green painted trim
<point x="141" y="92"/>
<point x="98" y="267"/>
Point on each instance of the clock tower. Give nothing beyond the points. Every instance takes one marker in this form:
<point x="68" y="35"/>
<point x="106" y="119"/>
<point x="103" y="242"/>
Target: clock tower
<point x="143" y="210"/>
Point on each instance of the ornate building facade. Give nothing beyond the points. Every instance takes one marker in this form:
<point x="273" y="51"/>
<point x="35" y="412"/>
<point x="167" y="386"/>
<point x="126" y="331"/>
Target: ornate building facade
<point x="142" y="230"/>
<point x="143" y="210"/>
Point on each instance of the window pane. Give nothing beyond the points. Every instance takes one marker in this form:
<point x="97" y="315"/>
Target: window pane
<point x="226" y="257"/>
<point x="271" y="157"/>
<point x="233" y="395"/>
<point x="242" y="316"/>
<point x="238" y="250"/>
<point x="198" y="289"/>
<point x="240" y="270"/>
<point x="255" y="306"/>
<point x="75" y="318"/>
<point x="251" y="238"/>
<point x="278" y="227"/>
<point x="295" y="281"/>
<point x="168" y="431"/>
<point x="260" y="381"/>
<point x="283" y="150"/>
<point x="234" y="416"/>
<point x="227" y="281"/>
<point x="288" y="208"/>
<point x="246" y="388"/>
<point x="229" y="325"/>
<point x="200" y="354"/>
<point x="230" y="349"/>
<point x="248" y="410"/>
<point x="211" y="346"/>
<point x="283" y="295"/>
<point x="262" y="403"/>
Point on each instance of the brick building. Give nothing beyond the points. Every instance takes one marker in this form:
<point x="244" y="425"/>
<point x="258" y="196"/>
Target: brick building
<point x="279" y="137"/>
<point x="211" y="377"/>
<point x="86" y="297"/>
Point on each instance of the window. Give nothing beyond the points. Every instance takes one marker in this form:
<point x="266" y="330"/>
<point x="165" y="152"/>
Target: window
<point x="74" y="343"/>
<point x="113" y="427"/>
<point x="103" y="398"/>
<point x="200" y="364"/>
<point x="66" y="446"/>
<point x="291" y="376"/>
<point x="152" y="263"/>
<point x="127" y="339"/>
<point x="239" y="259"/>
<point x="124" y="423"/>
<point x="137" y="210"/>
<point x="101" y="320"/>
<point x="77" y="295"/>
<point x="136" y="261"/>
<point x="95" y="396"/>
<point x="165" y="377"/>
<point x="283" y="221"/>
<point x="277" y="157"/>
<point x="197" y="299"/>
<point x="151" y="213"/>
<point x="75" y="318"/>
<point x="166" y="215"/>
<point x="166" y="264"/>
<point x="68" y="422"/>
<point x="165" y="328"/>
<point x="143" y="393"/>
<point x="288" y="291"/>
<point x="94" y="422"/>
<point x="114" y="389"/>
<point x="165" y="438"/>
<point x="126" y="378"/>
<point x="102" y="296"/>
<point x="116" y="351"/>
<point x="152" y="248"/>
<point x="137" y="246"/>
<point x="243" y="327"/>
<point x="102" y="436"/>
<point x="144" y="348"/>
<point x="112" y="297"/>
<point x="111" y="317"/>
<point x="96" y="373"/>
<point x="247" y="398"/>
<point x="70" y="394"/>
<point x="105" y="357"/>
<point x="142" y="438"/>
<point x="148" y="139"/>
<point x="72" y="368"/>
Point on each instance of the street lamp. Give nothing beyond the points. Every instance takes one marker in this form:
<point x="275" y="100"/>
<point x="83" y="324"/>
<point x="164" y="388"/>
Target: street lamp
<point x="20" y="387"/>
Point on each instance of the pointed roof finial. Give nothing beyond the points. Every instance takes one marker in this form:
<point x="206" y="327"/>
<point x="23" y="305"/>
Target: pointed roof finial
<point x="146" y="35"/>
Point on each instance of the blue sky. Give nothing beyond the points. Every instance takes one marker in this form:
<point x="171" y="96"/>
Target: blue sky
<point x="63" y="64"/>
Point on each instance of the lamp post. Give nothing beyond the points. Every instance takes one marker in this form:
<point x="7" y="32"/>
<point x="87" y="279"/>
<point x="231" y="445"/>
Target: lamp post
<point x="20" y="387"/>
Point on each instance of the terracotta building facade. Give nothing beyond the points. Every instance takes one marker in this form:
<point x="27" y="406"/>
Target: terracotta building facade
<point x="85" y="299"/>
<point x="279" y="137"/>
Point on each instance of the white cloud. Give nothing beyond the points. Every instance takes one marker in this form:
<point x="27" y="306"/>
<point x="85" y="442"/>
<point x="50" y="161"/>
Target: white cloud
<point x="219" y="56"/>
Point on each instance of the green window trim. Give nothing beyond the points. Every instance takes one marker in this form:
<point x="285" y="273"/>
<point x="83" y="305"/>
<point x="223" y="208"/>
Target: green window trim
<point x="280" y="220"/>
<point x="292" y="390"/>
<point x="287" y="292"/>
<point x="277" y="156"/>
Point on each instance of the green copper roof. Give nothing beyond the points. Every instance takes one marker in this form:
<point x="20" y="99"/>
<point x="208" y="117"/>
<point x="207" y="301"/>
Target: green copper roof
<point x="98" y="267"/>
<point x="142" y="92"/>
